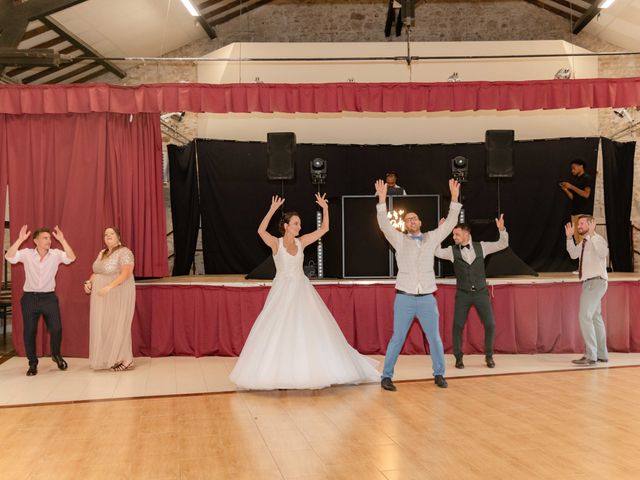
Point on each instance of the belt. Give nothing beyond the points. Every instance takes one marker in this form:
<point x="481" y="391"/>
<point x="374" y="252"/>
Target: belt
<point x="39" y="293"/>
<point x="594" y="278"/>
<point x="401" y="292"/>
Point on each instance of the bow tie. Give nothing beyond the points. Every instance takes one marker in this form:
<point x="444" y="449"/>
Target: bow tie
<point x="468" y="245"/>
<point x="417" y="237"/>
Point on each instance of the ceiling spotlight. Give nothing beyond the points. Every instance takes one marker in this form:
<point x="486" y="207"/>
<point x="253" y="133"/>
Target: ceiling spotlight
<point x="624" y="114"/>
<point x="563" y="74"/>
<point x="454" y="77"/>
<point x="460" y="168"/>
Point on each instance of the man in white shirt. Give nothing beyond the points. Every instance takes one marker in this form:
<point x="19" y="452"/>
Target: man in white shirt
<point x="592" y="253"/>
<point x="471" y="284"/>
<point x="39" y="298"/>
<point x="415" y="282"/>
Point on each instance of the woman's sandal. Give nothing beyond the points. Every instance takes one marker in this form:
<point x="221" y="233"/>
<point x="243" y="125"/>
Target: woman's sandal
<point x="121" y="367"/>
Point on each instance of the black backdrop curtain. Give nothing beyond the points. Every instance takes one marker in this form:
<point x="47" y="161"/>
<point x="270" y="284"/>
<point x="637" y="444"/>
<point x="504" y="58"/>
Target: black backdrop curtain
<point x="185" y="205"/>
<point x="235" y="193"/>
<point x="617" y="163"/>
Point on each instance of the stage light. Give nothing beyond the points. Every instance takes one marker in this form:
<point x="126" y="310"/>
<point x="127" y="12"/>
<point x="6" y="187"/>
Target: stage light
<point x="408" y="9"/>
<point x="563" y="74"/>
<point x="395" y="218"/>
<point x="190" y="8"/>
<point x="454" y="77"/>
<point x="623" y="113"/>
<point x="606" y="3"/>
<point x="318" y="170"/>
<point x="460" y="168"/>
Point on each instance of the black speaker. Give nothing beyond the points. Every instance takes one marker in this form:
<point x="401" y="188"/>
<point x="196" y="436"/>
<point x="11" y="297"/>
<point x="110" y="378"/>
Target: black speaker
<point x="499" y="145"/>
<point x="281" y="147"/>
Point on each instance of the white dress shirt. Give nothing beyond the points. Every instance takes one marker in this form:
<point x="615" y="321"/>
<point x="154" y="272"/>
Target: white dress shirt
<point x="594" y="261"/>
<point x="415" y="257"/>
<point x="40" y="272"/>
<point x="469" y="254"/>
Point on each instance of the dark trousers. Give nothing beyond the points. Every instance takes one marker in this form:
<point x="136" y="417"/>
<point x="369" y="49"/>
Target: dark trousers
<point x="482" y="302"/>
<point x="34" y="305"/>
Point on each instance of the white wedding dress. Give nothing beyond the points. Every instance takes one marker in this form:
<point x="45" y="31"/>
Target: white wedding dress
<point x="295" y="342"/>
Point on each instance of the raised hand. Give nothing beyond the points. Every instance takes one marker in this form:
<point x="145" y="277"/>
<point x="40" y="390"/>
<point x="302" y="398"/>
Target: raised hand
<point x="24" y="234"/>
<point x="381" y="190"/>
<point x="276" y="202"/>
<point x="322" y="201"/>
<point x="454" y="188"/>
<point x="568" y="230"/>
<point x="500" y="222"/>
<point x="57" y="234"/>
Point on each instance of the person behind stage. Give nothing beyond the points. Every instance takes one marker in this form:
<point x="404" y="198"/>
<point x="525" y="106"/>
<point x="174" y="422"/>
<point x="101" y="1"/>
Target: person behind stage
<point x="113" y="298"/>
<point x="415" y="282"/>
<point x="39" y="297"/>
<point x="295" y="343"/>
<point x="592" y="253"/>
<point x="579" y="192"/>
<point x="392" y="187"/>
<point x="471" y="284"/>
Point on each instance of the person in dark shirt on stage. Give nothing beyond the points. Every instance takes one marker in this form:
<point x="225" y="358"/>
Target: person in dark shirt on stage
<point x="392" y="187"/>
<point x="579" y="191"/>
<point x="471" y="284"/>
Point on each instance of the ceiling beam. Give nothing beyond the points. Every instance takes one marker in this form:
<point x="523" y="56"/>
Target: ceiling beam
<point x="88" y="50"/>
<point x="240" y="11"/>
<point x="586" y="17"/>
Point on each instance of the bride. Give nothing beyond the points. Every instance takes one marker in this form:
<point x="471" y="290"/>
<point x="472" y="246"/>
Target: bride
<point x="295" y="342"/>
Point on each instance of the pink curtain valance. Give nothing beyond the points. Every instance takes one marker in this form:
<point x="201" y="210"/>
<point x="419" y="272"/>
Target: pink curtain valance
<point x="321" y="97"/>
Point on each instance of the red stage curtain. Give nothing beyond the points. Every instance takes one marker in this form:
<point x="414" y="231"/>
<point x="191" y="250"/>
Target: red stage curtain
<point x="323" y="97"/>
<point x="84" y="172"/>
<point x="533" y="318"/>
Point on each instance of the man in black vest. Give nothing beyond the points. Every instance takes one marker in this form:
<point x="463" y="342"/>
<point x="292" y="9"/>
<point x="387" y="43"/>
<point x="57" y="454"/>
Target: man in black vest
<point x="471" y="284"/>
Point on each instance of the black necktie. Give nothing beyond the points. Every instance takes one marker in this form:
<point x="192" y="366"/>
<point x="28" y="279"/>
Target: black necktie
<point x="584" y="242"/>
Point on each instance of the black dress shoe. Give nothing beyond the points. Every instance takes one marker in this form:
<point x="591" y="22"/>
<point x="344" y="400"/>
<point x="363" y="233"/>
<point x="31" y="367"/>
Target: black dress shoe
<point x="583" y="361"/>
<point x="387" y="384"/>
<point x="489" y="360"/>
<point x="603" y="360"/>
<point x="440" y="381"/>
<point x="33" y="370"/>
<point x="459" y="362"/>
<point x="62" y="364"/>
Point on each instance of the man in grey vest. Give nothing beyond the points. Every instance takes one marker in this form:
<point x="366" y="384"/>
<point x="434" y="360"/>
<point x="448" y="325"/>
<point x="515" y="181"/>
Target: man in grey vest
<point x="471" y="284"/>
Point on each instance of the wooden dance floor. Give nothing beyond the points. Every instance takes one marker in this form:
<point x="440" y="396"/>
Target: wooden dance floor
<point x="212" y="315"/>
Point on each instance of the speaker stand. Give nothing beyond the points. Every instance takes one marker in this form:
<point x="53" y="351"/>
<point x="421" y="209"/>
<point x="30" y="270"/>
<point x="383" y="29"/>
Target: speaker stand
<point x="319" y="248"/>
<point x="499" y="210"/>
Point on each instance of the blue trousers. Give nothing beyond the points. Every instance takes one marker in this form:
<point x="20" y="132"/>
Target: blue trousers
<point x="405" y="309"/>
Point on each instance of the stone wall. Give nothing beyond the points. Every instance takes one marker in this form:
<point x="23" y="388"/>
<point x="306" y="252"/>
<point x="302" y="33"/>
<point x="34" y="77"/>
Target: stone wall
<point x="363" y="21"/>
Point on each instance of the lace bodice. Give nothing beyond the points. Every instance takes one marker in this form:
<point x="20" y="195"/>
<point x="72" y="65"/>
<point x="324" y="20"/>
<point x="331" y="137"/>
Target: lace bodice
<point x="111" y="264"/>
<point x="288" y="265"/>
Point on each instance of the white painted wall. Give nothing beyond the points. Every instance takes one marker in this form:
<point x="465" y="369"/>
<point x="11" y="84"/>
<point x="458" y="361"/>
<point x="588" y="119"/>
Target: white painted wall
<point x="396" y="128"/>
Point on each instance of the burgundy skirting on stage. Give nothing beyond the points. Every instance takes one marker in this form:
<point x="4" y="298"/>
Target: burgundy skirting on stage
<point x="203" y="320"/>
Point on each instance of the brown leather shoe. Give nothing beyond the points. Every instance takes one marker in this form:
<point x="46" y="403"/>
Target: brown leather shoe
<point x="583" y="361"/>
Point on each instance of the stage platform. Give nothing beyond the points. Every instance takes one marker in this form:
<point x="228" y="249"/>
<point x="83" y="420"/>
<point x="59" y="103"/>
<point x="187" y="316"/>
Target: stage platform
<point x="212" y="315"/>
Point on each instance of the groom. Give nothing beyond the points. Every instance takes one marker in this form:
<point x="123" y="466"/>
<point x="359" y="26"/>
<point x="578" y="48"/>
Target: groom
<point x="416" y="282"/>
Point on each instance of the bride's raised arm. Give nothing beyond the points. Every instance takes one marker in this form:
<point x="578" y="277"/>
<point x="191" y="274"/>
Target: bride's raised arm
<point x="314" y="236"/>
<point x="266" y="237"/>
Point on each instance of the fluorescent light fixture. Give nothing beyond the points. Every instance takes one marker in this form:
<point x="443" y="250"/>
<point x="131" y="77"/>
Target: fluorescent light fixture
<point x="606" y="3"/>
<point x="194" y="13"/>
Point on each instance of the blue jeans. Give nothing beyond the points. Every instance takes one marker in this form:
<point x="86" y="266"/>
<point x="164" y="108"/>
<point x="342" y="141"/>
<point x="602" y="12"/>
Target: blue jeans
<point x="591" y="323"/>
<point x="405" y="309"/>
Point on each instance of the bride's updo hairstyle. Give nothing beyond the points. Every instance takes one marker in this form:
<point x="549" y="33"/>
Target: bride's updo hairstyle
<point x="286" y="218"/>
